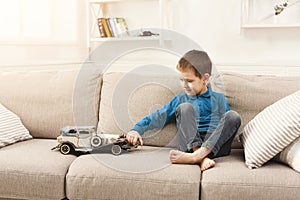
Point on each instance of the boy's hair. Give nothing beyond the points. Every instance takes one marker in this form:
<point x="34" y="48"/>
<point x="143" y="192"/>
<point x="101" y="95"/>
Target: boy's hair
<point x="197" y="61"/>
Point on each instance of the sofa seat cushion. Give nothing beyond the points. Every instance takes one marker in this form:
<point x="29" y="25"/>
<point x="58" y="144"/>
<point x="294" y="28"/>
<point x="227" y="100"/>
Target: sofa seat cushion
<point x="143" y="173"/>
<point x="32" y="171"/>
<point x="231" y="179"/>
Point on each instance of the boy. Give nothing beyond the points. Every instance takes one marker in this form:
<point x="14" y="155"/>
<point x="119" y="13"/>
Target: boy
<point x="206" y="126"/>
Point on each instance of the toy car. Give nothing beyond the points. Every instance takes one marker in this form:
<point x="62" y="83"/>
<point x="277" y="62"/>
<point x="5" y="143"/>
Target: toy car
<point x="85" y="139"/>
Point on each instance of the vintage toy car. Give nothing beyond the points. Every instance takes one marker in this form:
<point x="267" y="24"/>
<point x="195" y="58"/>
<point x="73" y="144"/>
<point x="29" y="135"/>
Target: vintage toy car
<point x="85" y="139"/>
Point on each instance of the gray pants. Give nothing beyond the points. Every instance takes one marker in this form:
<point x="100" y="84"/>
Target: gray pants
<point x="219" y="141"/>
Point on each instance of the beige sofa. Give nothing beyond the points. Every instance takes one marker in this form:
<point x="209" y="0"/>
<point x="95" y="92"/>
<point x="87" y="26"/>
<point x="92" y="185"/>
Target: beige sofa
<point x="48" y="98"/>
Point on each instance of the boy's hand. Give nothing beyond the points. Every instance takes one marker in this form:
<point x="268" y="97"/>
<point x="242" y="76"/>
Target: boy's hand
<point x="133" y="137"/>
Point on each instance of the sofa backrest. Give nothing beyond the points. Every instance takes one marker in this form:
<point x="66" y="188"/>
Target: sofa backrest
<point x="250" y="94"/>
<point x="47" y="98"/>
<point x="127" y="97"/>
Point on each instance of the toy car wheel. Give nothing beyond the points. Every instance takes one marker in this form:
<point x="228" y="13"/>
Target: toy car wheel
<point x="65" y="149"/>
<point x="116" y="150"/>
<point x="96" y="141"/>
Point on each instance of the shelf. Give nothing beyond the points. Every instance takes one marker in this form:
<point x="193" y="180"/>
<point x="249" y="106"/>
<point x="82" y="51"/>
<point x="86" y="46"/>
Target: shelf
<point x="151" y="17"/>
<point x="271" y="26"/>
<point x="111" y="1"/>
<point x="117" y="39"/>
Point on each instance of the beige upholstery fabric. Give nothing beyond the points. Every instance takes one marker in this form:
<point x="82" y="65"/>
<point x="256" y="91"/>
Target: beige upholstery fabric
<point x="11" y="128"/>
<point x="231" y="179"/>
<point x="48" y="99"/>
<point x="139" y="174"/>
<point x="127" y="98"/>
<point x="30" y="170"/>
<point x="250" y="94"/>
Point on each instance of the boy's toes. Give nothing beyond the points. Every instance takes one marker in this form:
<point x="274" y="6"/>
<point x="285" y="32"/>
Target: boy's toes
<point x="206" y="164"/>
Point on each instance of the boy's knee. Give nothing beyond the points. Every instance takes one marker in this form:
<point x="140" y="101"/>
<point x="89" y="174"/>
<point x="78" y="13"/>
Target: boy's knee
<point x="233" y="117"/>
<point x="185" y="108"/>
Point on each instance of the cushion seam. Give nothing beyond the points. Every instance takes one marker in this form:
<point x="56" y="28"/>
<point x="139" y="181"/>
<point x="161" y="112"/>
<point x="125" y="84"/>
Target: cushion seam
<point x="246" y="185"/>
<point x="31" y="174"/>
<point x="22" y="196"/>
<point x="141" y="180"/>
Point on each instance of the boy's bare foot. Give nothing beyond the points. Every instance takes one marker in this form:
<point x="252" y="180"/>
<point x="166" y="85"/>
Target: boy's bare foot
<point x="179" y="157"/>
<point x="207" y="163"/>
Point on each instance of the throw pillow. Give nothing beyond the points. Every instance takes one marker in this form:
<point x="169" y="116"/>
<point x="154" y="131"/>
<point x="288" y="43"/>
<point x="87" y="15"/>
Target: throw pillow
<point x="291" y="155"/>
<point x="272" y="130"/>
<point x="11" y="128"/>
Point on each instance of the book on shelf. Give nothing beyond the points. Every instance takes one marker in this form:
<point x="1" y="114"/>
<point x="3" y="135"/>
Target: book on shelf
<point x="121" y="25"/>
<point x="106" y="27"/>
<point x="101" y="28"/>
<point x="113" y="27"/>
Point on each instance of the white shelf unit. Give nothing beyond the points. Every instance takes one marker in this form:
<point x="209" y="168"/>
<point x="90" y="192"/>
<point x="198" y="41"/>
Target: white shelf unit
<point x="130" y="38"/>
<point x="101" y="8"/>
<point x="261" y="14"/>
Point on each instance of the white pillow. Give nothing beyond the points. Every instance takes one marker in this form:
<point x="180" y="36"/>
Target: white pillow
<point x="11" y="128"/>
<point x="291" y="155"/>
<point x="272" y="130"/>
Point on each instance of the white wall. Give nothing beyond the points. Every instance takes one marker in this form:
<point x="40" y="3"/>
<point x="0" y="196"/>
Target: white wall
<point x="66" y="42"/>
<point x="216" y="26"/>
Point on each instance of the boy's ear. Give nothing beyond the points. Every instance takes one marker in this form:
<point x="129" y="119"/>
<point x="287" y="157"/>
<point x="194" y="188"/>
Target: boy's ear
<point x="206" y="76"/>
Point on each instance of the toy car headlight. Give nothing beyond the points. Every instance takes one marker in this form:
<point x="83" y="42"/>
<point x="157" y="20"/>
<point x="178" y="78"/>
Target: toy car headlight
<point x="59" y="139"/>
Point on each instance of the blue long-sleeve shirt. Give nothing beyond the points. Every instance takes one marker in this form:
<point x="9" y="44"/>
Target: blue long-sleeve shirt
<point x="209" y="108"/>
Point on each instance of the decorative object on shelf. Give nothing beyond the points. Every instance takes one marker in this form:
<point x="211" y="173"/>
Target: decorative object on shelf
<point x="270" y="13"/>
<point x="147" y="33"/>
<point x="280" y="7"/>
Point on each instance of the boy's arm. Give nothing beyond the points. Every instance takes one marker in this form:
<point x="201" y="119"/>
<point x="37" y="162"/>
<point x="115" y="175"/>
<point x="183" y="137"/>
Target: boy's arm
<point x="224" y="106"/>
<point x="159" y="118"/>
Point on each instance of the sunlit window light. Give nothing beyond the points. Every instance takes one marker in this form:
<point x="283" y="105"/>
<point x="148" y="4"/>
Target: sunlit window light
<point x="38" y="20"/>
<point x="10" y="18"/>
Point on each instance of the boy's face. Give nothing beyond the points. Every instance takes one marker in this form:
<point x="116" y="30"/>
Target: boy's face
<point x="192" y="84"/>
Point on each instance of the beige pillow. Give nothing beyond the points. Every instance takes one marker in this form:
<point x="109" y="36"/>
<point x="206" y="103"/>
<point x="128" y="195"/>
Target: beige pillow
<point x="291" y="155"/>
<point x="272" y="130"/>
<point x="11" y="128"/>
